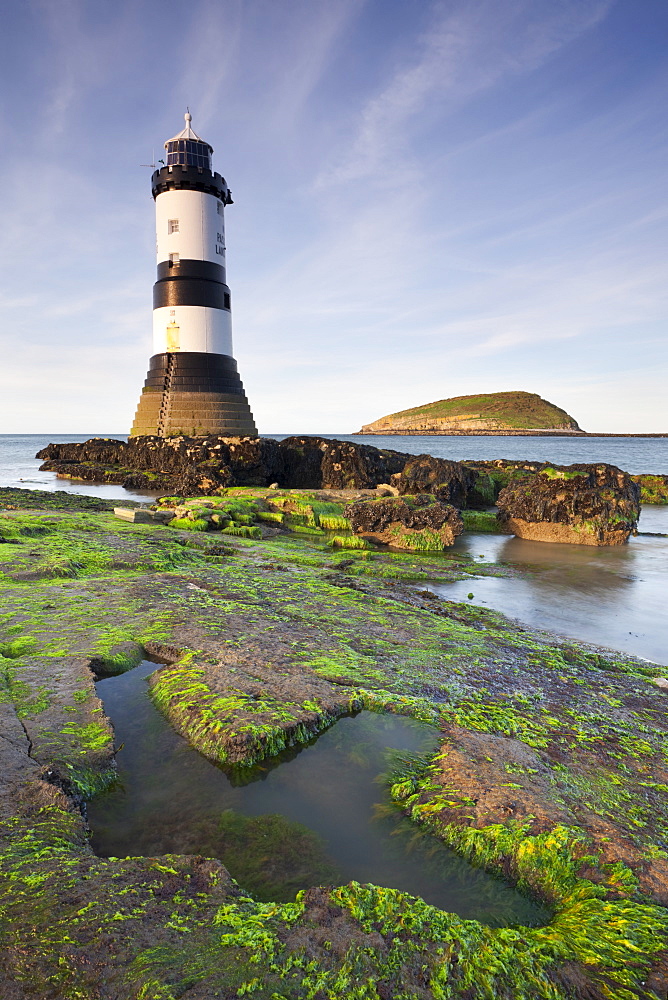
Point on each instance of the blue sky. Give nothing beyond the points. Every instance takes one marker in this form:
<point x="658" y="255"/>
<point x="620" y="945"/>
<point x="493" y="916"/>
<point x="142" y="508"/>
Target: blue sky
<point x="431" y="199"/>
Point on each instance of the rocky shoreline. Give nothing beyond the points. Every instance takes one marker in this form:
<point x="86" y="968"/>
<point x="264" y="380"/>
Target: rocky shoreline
<point x="202" y="466"/>
<point x="551" y="771"/>
<point x="396" y="432"/>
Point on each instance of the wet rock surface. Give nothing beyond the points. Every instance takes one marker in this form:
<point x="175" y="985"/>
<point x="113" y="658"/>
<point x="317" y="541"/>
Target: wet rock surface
<point x="450" y="482"/>
<point x="412" y="522"/>
<point x="259" y="709"/>
<point x="338" y="464"/>
<point x="577" y="504"/>
<point x="653" y="489"/>
<point x="498" y="778"/>
<point x="192" y="466"/>
<point x="552" y="770"/>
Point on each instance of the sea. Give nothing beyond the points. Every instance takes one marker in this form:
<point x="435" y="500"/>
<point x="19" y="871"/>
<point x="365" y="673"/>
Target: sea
<point x="612" y="597"/>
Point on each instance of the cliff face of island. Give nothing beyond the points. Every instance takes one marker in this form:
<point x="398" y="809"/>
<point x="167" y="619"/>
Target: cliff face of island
<point x="488" y="413"/>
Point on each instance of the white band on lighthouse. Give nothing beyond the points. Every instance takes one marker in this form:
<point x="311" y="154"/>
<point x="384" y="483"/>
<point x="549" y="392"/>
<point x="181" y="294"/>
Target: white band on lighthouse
<point x="192" y="328"/>
<point x="190" y="225"/>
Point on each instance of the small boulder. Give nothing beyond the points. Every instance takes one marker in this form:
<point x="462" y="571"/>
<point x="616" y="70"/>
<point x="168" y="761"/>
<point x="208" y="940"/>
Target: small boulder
<point x="163" y="516"/>
<point x="446" y="480"/>
<point x="419" y="523"/>
<point x="135" y="516"/>
<point x="576" y="504"/>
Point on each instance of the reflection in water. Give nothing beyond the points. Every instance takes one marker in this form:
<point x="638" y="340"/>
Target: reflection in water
<point x="321" y="817"/>
<point x="612" y="597"/>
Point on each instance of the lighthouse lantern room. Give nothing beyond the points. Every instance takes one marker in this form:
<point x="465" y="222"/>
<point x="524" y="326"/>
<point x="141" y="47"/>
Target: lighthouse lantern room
<point x="193" y="387"/>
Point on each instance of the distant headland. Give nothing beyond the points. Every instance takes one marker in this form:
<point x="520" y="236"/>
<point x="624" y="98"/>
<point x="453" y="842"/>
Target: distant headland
<point x="491" y="414"/>
<point x="487" y="413"/>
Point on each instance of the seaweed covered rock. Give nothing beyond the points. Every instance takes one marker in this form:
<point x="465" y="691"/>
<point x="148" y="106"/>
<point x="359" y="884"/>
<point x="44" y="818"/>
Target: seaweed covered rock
<point x="421" y="523"/>
<point x="233" y="516"/>
<point x="183" y="465"/>
<point x="653" y="488"/>
<point x="192" y="466"/>
<point x="323" y="463"/>
<point x="490" y="477"/>
<point x="449" y="481"/>
<point x="576" y="504"/>
<point x="154" y="454"/>
<point x="255" y="461"/>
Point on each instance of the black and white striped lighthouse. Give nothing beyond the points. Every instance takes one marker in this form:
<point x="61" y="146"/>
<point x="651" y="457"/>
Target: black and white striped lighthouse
<point x="193" y="387"/>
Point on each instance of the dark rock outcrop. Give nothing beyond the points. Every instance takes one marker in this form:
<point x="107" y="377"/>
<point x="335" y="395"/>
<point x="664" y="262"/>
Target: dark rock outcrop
<point x="420" y="523"/>
<point x="451" y="482"/>
<point x="313" y="463"/>
<point x="489" y="478"/>
<point x="577" y="504"/>
<point x="255" y="461"/>
<point x="197" y="466"/>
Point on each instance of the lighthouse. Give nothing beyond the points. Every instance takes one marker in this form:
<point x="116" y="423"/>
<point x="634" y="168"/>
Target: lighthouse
<point x="193" y="386"/>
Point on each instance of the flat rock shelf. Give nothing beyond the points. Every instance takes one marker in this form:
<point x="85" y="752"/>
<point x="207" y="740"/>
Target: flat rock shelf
<point x="313" y="815"/>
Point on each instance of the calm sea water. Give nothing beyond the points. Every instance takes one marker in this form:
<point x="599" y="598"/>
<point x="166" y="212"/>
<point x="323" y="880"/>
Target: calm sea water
<point x="610" y="597"/>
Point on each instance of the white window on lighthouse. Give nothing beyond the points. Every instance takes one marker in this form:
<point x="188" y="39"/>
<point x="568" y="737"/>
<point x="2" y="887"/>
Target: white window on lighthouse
<point x="174" y="258"/>
<point x="172" y="226"/>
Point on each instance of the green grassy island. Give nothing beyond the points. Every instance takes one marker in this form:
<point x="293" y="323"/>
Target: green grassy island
<point x="486" y="413"/>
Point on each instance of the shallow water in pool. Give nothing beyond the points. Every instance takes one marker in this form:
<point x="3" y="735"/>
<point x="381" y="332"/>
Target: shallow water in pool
<point x="609" y="596"/>
<point x="317" y="815"/>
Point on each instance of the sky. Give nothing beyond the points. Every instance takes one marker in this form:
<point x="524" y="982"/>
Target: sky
<point x="431" y="198"/>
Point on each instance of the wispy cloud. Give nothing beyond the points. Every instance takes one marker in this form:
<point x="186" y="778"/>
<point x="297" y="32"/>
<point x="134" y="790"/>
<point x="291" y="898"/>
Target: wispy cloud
<point x="456" y="200"/>
<point x="465" y="51"/>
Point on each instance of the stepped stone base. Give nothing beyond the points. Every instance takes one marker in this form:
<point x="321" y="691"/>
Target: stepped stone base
<point x="193" y="395"/>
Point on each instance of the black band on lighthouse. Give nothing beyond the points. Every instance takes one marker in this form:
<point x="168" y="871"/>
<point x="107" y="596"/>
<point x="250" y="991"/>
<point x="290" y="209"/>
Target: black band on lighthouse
<point x="190" y="292"/>
<point x="185" y="268"/>
<point x="194" y="372"/>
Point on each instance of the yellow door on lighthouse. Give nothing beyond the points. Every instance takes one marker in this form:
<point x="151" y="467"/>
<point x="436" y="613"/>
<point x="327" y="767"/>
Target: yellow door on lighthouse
<point x="173" y="330"/>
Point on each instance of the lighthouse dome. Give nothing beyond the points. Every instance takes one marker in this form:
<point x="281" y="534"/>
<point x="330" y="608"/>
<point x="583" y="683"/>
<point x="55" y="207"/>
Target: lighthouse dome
<point x="188" y="149"/>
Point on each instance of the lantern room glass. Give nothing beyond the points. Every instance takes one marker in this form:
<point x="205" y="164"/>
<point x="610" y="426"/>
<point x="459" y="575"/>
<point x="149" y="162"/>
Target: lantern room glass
<point x="188" y="153"/>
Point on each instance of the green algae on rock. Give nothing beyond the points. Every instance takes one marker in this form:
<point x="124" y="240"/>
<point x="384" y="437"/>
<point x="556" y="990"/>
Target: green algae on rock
<point x="653" y="489"/>
<point x="420" y="523"/>
<point x="578" y="768"/>
<point x="480" y="520"/>
<point x="577" y="504"/>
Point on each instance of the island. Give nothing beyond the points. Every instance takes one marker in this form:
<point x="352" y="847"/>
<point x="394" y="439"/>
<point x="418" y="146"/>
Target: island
<point x="514" y="412"/>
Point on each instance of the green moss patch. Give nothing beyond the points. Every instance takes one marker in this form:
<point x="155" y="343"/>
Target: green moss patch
<point x="291" y="634"/>
<point x="479" y="520"/>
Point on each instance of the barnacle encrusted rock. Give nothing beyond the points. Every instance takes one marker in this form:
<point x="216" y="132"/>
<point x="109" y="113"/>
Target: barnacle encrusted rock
<point x="420" y="522"/>
<point x="446" y="480"/>
<point x="200" y="466"/>
<point x="653" y="488"/>
<point x="576" y="504"/>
